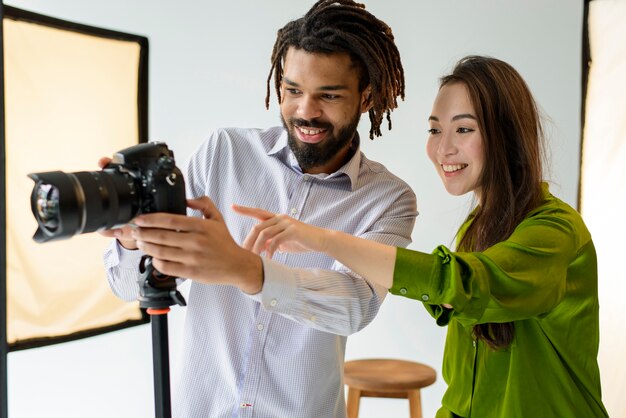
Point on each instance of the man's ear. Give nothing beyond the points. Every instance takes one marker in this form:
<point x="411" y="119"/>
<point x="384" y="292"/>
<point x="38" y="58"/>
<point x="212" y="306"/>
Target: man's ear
<point x="366" y="99"/>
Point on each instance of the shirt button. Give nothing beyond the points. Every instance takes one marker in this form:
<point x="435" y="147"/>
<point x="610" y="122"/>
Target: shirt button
<point x="273" y="302"/>
<point x="313" y="318"/>
<point x="259" y="327"/>
<point x="425" y="298"/>
<point x="474" y="343"/>
<point x="403" y="291"/>
<point x="293" y="211"/>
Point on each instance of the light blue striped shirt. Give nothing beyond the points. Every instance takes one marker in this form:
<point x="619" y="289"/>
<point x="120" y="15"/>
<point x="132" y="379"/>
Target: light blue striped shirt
<point x="279" y="353"/>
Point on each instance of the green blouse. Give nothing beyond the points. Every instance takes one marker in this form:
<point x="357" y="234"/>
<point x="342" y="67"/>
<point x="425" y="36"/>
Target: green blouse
<point x="544" y="279"/>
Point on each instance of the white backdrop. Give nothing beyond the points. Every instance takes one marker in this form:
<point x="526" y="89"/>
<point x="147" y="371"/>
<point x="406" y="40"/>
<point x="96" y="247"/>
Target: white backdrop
<point x="604" y="171"/>
<point x="208" y="65"/>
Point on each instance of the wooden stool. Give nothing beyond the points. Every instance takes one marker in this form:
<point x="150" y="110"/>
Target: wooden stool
<point x="386" y="378"/>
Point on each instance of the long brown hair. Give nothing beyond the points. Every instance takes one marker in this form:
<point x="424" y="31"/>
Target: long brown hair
<point x="345" y="26"/>
<point x="510" y="123"/>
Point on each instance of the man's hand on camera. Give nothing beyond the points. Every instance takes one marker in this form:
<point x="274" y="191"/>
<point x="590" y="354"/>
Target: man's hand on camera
<point x="122" y="235"/>
<point x="200" y="249"/>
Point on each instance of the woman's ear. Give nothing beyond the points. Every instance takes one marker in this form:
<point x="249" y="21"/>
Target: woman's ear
<point x="366" y="99"/>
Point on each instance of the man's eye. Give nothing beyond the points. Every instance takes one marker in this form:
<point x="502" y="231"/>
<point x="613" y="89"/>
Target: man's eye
<point x="292" y="91"/>
<point x="330" y="96"/>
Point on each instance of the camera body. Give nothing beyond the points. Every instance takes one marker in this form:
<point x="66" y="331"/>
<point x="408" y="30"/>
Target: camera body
<point x="139" y="179"/>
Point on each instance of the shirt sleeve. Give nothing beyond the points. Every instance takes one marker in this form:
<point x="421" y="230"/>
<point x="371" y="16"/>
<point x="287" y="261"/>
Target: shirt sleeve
<point x="519" y="278"/>
<point x="122" y="270"/>
<point x="337" y="300"/>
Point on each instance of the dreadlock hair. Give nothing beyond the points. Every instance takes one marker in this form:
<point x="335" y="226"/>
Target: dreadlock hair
<point x="344" y="26"/>
<point x="510" y="123"/>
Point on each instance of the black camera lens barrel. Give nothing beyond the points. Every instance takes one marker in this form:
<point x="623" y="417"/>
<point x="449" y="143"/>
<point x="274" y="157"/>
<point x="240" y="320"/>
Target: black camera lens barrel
<point x="109" y="199"/>
<point x="87" y="201"/>
<point x="139" y="179"/>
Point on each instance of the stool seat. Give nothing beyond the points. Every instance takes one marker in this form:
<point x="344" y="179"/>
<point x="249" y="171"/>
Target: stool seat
<point x="386" y="378"/>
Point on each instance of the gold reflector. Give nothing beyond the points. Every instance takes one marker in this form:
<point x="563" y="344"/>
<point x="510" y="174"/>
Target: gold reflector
<point x="70" y="98"/>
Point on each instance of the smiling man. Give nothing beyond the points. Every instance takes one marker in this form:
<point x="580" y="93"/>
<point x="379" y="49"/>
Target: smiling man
<point x="321" y="108"/>
<point x="266" y="337"/>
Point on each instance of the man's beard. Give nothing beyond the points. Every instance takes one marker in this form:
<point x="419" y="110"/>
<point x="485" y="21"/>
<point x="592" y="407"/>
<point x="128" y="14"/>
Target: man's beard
<point x="314" y="155"/>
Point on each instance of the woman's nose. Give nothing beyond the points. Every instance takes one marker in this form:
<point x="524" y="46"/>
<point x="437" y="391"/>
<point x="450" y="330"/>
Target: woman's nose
<point x="446" y="145"/>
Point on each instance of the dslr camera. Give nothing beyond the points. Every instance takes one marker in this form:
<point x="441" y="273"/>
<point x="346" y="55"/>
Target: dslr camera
<point x="139" y="179"/>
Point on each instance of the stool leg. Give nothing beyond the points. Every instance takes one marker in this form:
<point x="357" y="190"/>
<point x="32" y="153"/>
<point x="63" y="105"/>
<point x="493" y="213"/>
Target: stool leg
<point x="354" y="399"/>
<point x="415" y="403"/>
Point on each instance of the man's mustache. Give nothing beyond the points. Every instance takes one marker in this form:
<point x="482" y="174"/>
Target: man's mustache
<point x="303" y="123"/>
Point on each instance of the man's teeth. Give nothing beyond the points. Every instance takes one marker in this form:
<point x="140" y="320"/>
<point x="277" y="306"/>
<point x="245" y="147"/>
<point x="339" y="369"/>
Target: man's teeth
<point x="450" y="168"/>
<point x="309" y="131"/>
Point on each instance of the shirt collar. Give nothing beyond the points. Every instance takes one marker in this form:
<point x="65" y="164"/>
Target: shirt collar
<point x="280" y="144"/>
<point x="350" y="168"/>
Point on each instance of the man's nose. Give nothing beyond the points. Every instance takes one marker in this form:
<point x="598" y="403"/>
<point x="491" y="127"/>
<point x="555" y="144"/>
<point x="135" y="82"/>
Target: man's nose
<point x="309" y="108"/>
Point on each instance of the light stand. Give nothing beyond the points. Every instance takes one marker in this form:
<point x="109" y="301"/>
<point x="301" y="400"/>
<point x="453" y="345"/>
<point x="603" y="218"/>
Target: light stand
<point x="157" y="292"/>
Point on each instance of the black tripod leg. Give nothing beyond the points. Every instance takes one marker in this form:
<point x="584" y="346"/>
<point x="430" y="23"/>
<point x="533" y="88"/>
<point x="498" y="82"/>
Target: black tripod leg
<point x="160" y="361"/>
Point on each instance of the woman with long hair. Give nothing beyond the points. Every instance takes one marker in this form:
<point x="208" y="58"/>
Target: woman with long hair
<point x="519" y="293"/>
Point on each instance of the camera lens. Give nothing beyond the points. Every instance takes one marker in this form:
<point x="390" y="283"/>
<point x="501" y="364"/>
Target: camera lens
<point x="48" y="206"/>
<point x="66" y="204"/>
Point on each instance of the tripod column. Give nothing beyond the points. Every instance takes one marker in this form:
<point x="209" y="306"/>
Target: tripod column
<point x="160" y="361"/>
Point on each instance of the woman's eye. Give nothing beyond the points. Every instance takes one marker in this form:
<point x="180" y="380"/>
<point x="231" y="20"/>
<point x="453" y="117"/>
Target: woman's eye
<point x="433" y="131"/>
<point x="464" y="130"/>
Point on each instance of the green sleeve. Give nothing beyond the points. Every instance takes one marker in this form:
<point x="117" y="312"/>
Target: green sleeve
<point x="521" y="277"/>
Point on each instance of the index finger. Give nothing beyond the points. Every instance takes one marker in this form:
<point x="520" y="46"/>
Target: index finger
<point x="164" y="220"/>
<point x="103" y="162"/>
<point x="260" y="214"/>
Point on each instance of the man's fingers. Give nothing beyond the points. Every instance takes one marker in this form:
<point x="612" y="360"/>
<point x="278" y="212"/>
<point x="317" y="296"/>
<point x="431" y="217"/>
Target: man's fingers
<point x="206" y="206"/>
<point x="171" y="268"/>
<point x="164" y="220"/>
<point x="103" y="162"/>
<point x="109" y="233"/>
<point x="167" y="253"/>
<point x="165" y="237"/>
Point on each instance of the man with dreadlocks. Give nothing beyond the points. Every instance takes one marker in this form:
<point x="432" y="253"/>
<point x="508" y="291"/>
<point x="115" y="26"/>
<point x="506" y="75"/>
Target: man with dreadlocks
<point x="266" y="337"/>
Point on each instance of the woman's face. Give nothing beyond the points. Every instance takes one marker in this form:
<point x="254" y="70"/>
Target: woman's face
<point x="455" y="143"/>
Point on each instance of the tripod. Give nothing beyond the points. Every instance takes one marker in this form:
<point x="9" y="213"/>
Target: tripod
<point x="157" y="292"/>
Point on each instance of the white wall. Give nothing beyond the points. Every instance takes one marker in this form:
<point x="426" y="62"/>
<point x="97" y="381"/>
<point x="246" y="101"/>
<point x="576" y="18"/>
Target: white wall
<point x="208" y="65"/>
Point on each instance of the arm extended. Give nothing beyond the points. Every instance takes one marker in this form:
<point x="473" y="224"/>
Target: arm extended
<point x="369" y="259"/>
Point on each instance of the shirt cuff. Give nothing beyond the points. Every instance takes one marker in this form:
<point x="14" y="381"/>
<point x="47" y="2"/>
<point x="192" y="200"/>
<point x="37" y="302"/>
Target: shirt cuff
<point x="418" y="276"/>
<point x="126" y="258"/>
<point x="412" y="274"/>
<point x="279" y="287"/>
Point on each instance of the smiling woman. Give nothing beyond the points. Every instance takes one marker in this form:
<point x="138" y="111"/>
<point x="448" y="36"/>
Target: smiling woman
<point x="519" y="296"/>
<point x="455" y="143"/>
<point x="210" y="73"/>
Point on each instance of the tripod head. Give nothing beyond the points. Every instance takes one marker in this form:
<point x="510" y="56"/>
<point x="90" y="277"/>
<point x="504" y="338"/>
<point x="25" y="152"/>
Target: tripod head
<point x="157" y="290"/>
